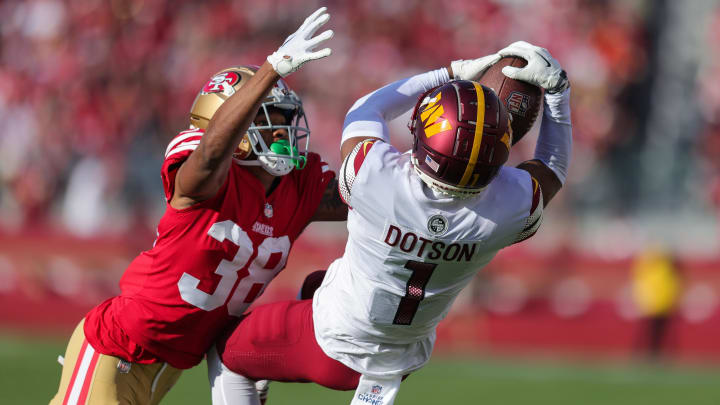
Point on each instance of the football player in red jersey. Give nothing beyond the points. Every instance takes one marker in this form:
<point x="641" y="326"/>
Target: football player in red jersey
<point x="239" y="192"/>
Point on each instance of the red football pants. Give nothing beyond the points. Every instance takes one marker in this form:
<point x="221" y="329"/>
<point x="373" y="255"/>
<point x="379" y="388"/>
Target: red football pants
<point x="277" y="342"/>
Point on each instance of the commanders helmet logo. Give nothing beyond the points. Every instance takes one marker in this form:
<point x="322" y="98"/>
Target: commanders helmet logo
<point x="437" y="225"/>
<point x="432" y="118"/>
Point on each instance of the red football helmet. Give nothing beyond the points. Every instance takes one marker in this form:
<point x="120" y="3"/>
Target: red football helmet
<point x="462" y="136"/>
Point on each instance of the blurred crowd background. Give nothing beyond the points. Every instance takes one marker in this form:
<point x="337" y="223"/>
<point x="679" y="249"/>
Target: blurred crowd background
<point x="91" y="92"/>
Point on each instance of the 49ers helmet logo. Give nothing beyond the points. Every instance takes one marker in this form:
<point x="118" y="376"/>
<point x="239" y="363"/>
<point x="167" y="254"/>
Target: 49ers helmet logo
<point x="220" y="81"/>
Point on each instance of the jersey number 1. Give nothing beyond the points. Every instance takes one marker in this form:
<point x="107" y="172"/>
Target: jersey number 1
<point x="414" y="291"/>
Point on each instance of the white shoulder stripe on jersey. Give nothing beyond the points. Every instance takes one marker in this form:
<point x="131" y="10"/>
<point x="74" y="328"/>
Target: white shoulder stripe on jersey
<point x="324" y="166"/>
<point x="179" y="139"/>
<point x="186" y="146"/>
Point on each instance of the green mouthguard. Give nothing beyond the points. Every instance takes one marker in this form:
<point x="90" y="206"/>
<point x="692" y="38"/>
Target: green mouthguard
<point x="282" y="147"/>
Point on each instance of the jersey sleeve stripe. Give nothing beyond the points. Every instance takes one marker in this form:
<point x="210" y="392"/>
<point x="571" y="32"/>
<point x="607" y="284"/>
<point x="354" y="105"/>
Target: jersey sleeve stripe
<point x="537" y="195"/>
<point x="185" y="146"/>
<point x="533" y="221"/>
<point x="348" y="173"/>
<point x="361" y="153"/>
<point x="345" y="180"/>
<point x="182" y="137"/>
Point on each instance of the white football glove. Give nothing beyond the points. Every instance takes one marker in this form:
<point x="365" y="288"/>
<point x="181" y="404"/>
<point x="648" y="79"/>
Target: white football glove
<point x="471" y="69"/>
<point x="297" y="48"/>
<point x="542" y="69"/>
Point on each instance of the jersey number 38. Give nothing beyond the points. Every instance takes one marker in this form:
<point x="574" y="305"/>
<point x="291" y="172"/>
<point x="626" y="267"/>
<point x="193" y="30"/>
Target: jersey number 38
<point x="271" y="257"/>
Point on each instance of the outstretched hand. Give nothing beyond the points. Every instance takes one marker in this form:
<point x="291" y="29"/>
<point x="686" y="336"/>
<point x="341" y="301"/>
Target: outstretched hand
<point x="471" y="69"/>
<point x="298" y="47"/>
<point x="541" y="70"/>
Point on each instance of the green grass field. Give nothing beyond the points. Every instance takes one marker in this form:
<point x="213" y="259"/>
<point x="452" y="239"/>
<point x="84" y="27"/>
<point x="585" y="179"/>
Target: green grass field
<point x="29" y="374"/>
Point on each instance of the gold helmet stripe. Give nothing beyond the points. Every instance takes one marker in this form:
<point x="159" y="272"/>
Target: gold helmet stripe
<point x="477" y="139"/>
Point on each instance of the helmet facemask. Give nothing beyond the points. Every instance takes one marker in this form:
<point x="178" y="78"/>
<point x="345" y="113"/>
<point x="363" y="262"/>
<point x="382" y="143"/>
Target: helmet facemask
<point x="282" y="156"/>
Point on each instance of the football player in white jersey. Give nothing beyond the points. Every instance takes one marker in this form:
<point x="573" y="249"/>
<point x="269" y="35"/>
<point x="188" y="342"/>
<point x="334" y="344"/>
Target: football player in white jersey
<point x="421" y="224"/>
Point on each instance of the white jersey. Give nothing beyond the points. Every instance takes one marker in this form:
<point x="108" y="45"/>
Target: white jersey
<point x="409" y="253"/>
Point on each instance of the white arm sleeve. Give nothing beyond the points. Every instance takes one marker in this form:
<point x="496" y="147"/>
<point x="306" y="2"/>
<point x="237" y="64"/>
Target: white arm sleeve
<point x="370" y="114"/>
<point x="554" y="144"/>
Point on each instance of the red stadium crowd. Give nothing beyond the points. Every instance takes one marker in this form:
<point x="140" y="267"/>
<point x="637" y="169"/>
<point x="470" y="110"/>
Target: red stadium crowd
<point x="91" y="91"/>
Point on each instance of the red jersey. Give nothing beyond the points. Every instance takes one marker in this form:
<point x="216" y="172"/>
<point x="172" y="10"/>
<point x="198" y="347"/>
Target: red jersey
<point x="208" y="264"/>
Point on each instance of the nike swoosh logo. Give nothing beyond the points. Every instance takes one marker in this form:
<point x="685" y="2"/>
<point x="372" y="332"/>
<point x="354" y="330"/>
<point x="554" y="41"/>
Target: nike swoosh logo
<point x="543" y="58"/>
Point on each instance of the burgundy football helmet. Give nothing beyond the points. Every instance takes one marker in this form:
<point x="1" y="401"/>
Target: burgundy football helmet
<point x="462" y="136"/>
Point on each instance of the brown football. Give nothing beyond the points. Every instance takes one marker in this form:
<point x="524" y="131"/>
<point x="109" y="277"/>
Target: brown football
<point x="523" y="100"/>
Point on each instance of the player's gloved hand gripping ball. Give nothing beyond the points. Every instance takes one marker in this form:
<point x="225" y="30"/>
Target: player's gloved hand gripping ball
<point x="542" y="69"/>
<point x="471" y="69"/>
<point x="298" y="47"/>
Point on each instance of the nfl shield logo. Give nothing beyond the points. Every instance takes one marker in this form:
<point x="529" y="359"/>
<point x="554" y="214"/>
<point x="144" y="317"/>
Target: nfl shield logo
<point x="518" y="103"/>
<point x="124" y="366"/>
<point x="376" y="389"/>
<point x="268" y="210"/>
